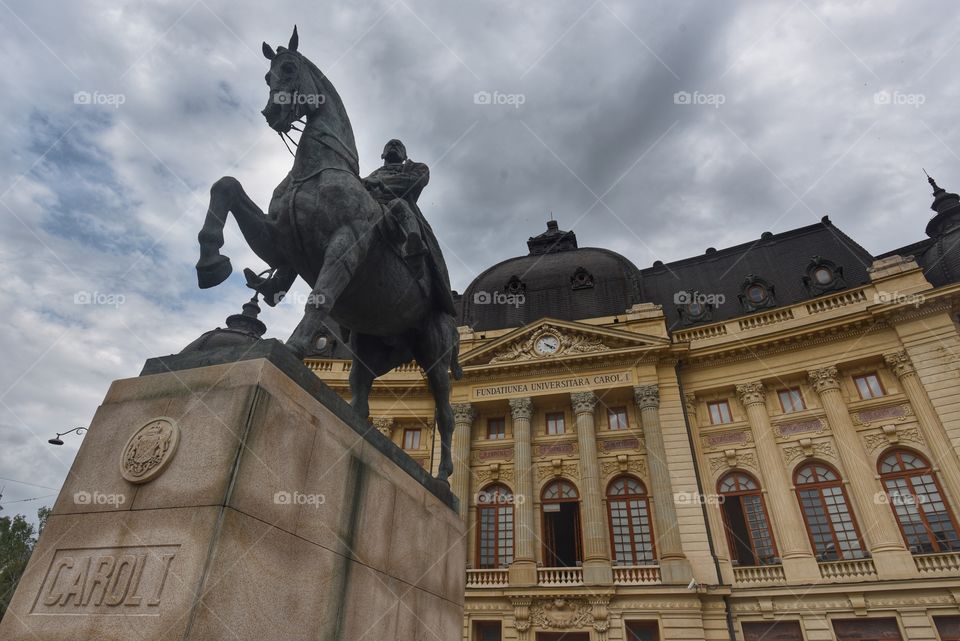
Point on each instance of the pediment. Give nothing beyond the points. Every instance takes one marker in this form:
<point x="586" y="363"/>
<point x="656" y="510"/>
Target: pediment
<point x="550" y="339"/>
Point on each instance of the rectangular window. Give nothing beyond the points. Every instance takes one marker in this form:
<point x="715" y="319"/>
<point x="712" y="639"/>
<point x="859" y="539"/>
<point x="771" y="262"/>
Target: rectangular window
<point x="617" y="418"/>
<point x="487" y="631"/>
<point x="496" y="428"/>
<point x="642" y="631"/>
<point x="948" y="627"/>
<point x="772" y="631"/>
<point x="555" y="423"/>
<point x="869" y="386"/>
<point x="867" y="629"/>
<point x="411" y="439"/>
<point x="719" y="412"/>
<point x="791" y="400"/>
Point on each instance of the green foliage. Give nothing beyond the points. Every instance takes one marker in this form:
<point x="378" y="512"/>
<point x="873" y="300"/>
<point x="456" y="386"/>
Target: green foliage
<point x="17" y="540"/>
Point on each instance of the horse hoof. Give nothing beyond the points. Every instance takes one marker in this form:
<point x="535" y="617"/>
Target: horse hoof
<point x="212" y="272"/>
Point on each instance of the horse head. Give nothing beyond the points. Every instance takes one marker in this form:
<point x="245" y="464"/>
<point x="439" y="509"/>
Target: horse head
<point x="295" y="89"/>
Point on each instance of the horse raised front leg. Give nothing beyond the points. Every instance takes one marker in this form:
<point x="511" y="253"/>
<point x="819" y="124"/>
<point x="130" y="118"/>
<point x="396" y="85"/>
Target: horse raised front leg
<point x="227" y="195"/>
<point x="340" y="261"/>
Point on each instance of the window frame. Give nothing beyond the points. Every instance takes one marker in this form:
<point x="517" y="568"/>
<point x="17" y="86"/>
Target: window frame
<point x="495" y="508"/>
<point x="410" y="431"/>
<point x="864" y="377"/>
<point x="617" y="411"/>
<point x="728" y="531"/>
<point x="924" y="521"/>
<point x="502" y="434"/>
<point x="551" y="418"/>
<point x="721" y="403"/>
<point x="644" y="497"/>
<point x="820" y="486"/>
<point x="578" y="521"/>
<point x="789" y="391"/>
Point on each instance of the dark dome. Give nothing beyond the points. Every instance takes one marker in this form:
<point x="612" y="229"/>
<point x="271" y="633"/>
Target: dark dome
<point x="556" y="279"/>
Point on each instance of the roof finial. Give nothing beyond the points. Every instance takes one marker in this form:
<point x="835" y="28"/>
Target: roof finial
<point x="932" y="182"/>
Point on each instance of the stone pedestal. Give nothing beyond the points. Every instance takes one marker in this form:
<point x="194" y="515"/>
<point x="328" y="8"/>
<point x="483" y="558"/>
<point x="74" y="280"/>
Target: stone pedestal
<point x="231" y="495"/>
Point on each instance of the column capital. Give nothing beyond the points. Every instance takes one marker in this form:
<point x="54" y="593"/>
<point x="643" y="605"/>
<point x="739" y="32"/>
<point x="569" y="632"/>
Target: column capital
<point x="462" y="413"/>
<point x="899" y="362"/>
<point x="583" y="402"/>
<point x="521" y="408"/>
<point x="647" y="396"/>
<point x="752" y="393"/>
<point x="824" y="379"/>
<point x="383" y="424"/>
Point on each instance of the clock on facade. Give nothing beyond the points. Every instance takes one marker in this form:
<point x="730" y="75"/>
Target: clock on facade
<point x="547" y="344"/>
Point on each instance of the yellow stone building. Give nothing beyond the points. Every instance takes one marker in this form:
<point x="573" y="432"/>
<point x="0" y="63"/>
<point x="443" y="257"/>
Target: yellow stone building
<point x="760" y="442"/>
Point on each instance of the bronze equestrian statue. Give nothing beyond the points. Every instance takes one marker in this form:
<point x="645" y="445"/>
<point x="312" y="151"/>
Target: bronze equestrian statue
<point x="363" y="244"/>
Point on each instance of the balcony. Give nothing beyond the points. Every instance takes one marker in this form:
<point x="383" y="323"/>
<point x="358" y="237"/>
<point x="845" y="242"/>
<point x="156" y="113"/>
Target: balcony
<point x="496" y="578"/>
<point x="943" y="563"/>
<point x="852" y="570"/>
<point x="636" y="574"/>
<point x="559" y="577"/>
<point x="751" y="575"/>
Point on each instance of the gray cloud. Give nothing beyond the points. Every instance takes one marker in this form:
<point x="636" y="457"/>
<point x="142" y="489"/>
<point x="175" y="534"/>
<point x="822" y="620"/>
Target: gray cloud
<point x="109" y="200"/>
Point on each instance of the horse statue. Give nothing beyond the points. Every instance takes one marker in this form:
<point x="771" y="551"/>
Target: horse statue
<point x="324" y="226"/>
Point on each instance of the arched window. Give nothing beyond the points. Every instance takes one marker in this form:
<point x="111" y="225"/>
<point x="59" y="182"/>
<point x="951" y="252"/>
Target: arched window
<point x="560" y="506"/>
<point x="830" y="523"/>
<point x="630" y="528"/>
<point x="745" y="520"/>
<point x="495" y="531"/>
<point x="918" y="504"/>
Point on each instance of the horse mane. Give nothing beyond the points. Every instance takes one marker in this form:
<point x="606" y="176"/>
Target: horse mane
<point x="332" y="106"/>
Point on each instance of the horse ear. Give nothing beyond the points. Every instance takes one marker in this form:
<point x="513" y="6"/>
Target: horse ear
<point x="294" y="40"/>
<point x="268" y="52"/>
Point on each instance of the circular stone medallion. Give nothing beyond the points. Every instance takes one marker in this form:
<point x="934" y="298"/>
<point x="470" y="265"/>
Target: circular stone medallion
<point x="149" y="450"/>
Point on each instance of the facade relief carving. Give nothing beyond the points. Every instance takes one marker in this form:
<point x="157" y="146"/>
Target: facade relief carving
<point x="547" y="342"/>
<point x="623" y="464"/>
<point x="806" y="448"/>
<point x="557" y="468"/>
<point x="891" y="435"/>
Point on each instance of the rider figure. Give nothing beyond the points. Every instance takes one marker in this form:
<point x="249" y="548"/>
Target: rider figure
<point x="397" y="186"/>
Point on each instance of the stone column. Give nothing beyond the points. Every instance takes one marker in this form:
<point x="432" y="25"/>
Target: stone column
<point x="596" y="548"/>
<point x="945" y="460"/>
<point x="523" y="570"/>
<point x="877" y="523"/>
<point x="674" y="566"/>
<point x="799" y="563"/>
<point x="460" y="480"/>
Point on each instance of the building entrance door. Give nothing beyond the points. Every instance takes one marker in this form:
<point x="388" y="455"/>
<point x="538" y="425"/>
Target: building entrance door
<point x="561" y="528"/>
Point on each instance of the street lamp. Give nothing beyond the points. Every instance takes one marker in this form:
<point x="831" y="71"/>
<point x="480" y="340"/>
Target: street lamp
<point x="56" y="439"/>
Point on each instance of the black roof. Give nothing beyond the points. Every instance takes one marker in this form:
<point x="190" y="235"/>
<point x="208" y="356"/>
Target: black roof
<point x="559" y="279"/>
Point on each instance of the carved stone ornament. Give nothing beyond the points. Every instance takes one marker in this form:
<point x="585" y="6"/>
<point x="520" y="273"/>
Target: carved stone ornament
<point x="383" y="424"/>
<point x="561" y="614"/>
<point x="558" y="468"/>
<point x="824" y="379"/>
<point x="751" y="394"/>
<point x="807" y="449"/>
<point x="570" y="344"/>
<point x="521" y="408"/>
<point x="646" y="396"/>
<point x="623" y="463"/>
<point x="583" y="402"/>
<point x="899" y="362"/>
<point x="462" y="413"/>
<point x="149" y="450"/>
<point x="891" y="435"/>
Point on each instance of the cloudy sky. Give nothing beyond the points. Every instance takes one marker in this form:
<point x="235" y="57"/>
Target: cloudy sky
<point x="652" y="128"/>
